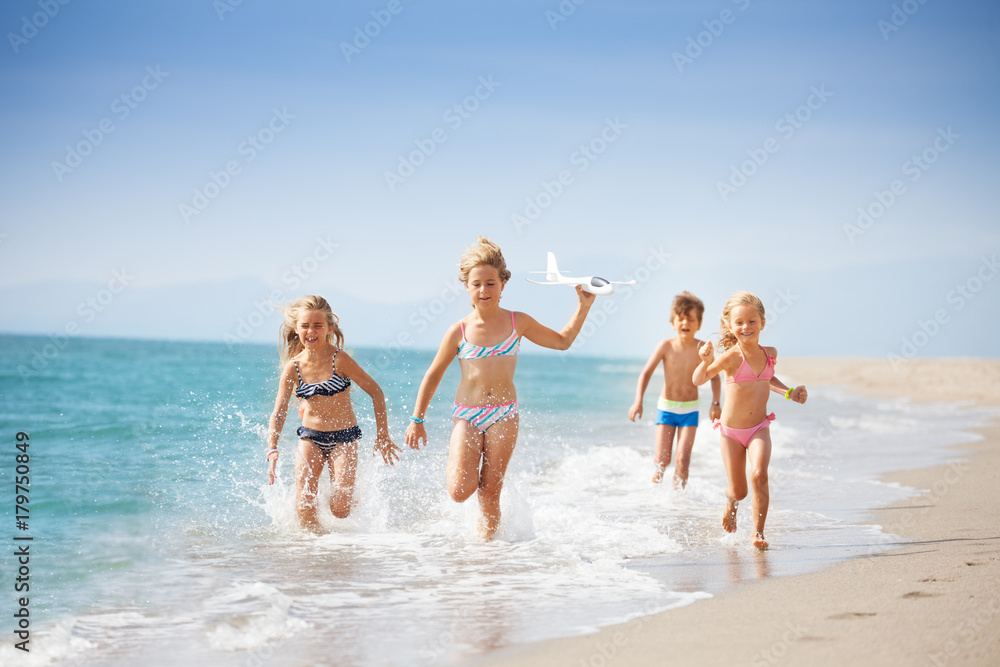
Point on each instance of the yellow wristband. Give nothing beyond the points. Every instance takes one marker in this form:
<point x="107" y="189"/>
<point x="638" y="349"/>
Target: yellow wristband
<point x="788" y="394"/>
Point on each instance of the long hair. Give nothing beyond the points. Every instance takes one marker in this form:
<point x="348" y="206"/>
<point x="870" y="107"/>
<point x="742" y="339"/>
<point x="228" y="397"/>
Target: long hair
<point x="485" y="252"/>
<point x="289" y="343"/>
<point x="736" y="300"/>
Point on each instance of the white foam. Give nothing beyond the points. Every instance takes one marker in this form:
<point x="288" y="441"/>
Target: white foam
<point x="249" y="616"/>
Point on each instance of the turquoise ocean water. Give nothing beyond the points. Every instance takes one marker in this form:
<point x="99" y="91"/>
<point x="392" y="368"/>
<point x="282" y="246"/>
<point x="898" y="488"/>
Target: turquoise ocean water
<point x="156" y="537"/>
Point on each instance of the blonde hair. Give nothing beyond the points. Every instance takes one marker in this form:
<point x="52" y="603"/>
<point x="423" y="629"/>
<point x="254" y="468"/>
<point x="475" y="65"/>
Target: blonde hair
<point x="686" y="302"/>
<point x="735" y="301"/>
<point x="289" y="343"/>
<point x="482" y="252"/>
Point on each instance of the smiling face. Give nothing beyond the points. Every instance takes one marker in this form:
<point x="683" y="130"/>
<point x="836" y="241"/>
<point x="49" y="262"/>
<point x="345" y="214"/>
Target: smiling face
<point x="484" y="286"/>
<point x="685" y="324"/>
<point x="746" y="324"/>
<point x="313" y="329"/>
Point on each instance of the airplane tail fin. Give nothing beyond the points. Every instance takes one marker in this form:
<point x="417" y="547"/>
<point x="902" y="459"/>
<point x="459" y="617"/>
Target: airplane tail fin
<point x="551" y="269"/>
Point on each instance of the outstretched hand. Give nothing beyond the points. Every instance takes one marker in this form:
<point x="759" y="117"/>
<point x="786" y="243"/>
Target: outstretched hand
<point x="387" y="448"/>
<point x="272" y="463"/>
<point x="414" y="434"/>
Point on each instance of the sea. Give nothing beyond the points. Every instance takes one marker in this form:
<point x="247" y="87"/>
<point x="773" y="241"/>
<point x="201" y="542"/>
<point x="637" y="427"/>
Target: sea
<point x="155" y="539"/>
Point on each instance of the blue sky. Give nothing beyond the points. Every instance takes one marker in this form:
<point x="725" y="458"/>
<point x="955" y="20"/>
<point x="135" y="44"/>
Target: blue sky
<point x="645" y="110"/>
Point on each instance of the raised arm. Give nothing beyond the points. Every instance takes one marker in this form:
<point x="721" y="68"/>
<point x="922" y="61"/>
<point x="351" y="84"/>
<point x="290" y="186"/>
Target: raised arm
<point x="346" y="366"/>
<point x="710" y="367"/>
<point x="635" y="412"/>
<point x="543" y="336"/>
<point x="448" y="350"/>
<point x="286" y="385"/>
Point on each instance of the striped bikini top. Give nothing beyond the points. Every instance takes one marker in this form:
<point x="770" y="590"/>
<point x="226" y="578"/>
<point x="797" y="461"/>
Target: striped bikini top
<point x="334" y="385"/>
<point x="508" y="347"/>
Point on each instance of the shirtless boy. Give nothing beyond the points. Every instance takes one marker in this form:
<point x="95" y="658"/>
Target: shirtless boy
<point x="677" y="407"/>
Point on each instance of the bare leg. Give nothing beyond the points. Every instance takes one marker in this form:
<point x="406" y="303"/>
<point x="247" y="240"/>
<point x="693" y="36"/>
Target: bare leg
<point x="663" y="451"/>
<point x="464" y="453"/>
<point x="343" y="471"/>
<point x="308" y="468"/>
<point x="760" y="456"/>
<point x="500" y="441"/>
<point x="734" y="459"/>
<point x="685" y="442"/>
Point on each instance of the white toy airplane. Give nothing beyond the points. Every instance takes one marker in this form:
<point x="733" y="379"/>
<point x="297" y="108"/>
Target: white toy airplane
<point x="592" y="284"/>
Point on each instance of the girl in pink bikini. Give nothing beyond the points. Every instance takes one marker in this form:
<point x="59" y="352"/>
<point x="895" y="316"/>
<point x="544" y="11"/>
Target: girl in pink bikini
<point x="484" y="417"/>
<point x="745" y="421"/>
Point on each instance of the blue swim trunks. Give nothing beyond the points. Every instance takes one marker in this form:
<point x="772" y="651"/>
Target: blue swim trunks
<point x="676" y="413"/>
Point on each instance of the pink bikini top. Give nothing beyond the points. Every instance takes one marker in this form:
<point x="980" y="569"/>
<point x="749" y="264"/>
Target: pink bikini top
<point x="745" y="374"/>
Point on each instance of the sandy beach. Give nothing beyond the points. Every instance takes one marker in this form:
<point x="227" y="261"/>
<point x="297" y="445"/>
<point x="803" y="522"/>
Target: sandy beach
<point x="934" y="599"/>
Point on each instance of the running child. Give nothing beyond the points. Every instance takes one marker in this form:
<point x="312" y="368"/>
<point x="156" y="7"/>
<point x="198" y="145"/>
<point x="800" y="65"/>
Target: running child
<point x="484" y="417"/>
<point x="319" y="373"/>
<point x="745" y="421"/>
<point x="677" y="406"/>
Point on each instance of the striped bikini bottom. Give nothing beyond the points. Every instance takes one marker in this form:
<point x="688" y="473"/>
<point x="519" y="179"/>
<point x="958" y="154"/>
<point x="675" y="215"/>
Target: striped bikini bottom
<point x="484" y="416"/>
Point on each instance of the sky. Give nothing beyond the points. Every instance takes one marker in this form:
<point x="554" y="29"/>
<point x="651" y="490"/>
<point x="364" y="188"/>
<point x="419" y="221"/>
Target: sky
<point x="169" y="168"/>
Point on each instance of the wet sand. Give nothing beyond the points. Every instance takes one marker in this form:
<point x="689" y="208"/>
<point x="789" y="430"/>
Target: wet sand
<point x="933" y="600"/>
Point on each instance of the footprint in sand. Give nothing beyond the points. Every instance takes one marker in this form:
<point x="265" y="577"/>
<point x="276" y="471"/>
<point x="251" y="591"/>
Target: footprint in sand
<point x="852" y="614"/>
<point x="920" y="594"/>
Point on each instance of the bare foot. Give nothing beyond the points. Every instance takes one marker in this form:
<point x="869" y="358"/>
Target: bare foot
<point x="485" y="530"/>
<point x="679" y="482"/>
<point x="760" y="542"/>
<point x="312" y="525"/>
<point x="729" y="516"/>
<point x="657" y="476"/>
<point x="308" y="518"/>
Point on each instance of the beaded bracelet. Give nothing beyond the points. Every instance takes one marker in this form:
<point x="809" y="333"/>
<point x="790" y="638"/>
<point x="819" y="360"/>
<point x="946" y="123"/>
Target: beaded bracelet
<point x="273" y="450"/>
<point x="416" y="420"/>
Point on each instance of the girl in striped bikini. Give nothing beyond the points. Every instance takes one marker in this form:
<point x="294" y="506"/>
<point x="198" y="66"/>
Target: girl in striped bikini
<point x="484" y="417"/>
<point x="311" y="342"/>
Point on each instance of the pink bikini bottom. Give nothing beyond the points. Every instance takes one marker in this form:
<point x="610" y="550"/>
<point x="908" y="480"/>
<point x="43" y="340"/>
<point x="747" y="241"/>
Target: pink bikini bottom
<point x="743" y="435"/>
